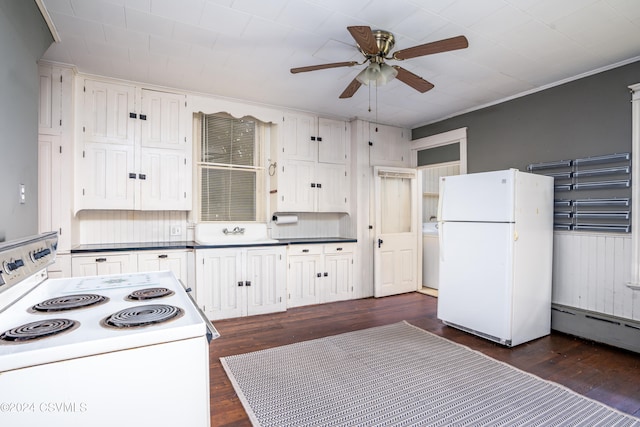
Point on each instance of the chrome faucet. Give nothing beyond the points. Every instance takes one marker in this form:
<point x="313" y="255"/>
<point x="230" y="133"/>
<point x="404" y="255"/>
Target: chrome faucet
<point x="236" y="230"/>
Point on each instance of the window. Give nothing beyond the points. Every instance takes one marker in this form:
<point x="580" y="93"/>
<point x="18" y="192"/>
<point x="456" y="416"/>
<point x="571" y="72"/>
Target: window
<point x="230" y="171"/>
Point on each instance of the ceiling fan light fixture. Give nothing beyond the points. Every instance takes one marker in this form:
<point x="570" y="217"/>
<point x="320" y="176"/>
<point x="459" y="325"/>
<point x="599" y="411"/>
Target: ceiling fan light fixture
<point x="387" y="73"/>
<point x="369" y="74"/>
<point x="381" y="74"/>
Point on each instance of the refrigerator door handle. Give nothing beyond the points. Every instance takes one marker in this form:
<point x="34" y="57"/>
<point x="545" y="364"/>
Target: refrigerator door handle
<point x="441" y="239"/>
<point x="440" y="199"/>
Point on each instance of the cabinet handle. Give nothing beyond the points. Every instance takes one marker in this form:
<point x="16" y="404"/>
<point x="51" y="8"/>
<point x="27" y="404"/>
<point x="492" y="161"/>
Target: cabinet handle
<point x="313" y="138"/>
<point x="318" y="185"/>
<point x="163" y="256"/>
<point x="247" y="283"/>
<point x="319" y="274"/>
<point x="101" y="259"/>
<point x="240" y="283"/>
<point x="338" y="249"/>
<point x="143" y="117"/>
<point x="132" y="175"/>
<point x="319" y="139"/>
<point x="142" y="176"/>
<point x="305" y="250"/>
<point x="313" y="185"/>
<point x="325" y="274"/>
<point x="133" y="115"/>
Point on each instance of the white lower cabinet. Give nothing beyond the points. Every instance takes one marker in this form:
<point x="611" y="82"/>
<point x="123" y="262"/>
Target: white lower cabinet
<point x="240" y="282"/>
<point x="61" y="267"/>
<point x="319" y="273"/>
<point x="173" y="260"/>
<point x="99" y="263"/>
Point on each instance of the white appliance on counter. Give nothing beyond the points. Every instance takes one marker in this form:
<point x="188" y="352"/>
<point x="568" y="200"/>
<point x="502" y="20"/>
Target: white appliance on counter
<point x="496" y="243"/>
<point x="128" y="349"/>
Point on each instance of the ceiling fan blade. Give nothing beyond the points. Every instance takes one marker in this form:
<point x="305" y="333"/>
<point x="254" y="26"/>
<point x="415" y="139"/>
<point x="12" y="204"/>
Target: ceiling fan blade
<point x="323" y="66"/>
<point x="364" y="37"/>
<point x="351" y="89"/>
<point x="459" y="42"/>
<point x="416" y="82"/>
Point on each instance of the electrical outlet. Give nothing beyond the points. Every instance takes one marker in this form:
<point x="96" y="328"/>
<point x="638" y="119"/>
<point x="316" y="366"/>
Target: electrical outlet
<point x="175" y="230"/>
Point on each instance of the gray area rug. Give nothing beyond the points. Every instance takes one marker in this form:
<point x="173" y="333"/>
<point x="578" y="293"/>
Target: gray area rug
<point x="401" y="375"/>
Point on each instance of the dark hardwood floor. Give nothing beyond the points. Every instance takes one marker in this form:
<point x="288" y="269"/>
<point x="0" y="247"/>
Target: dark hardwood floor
<point x="600" y="372"/>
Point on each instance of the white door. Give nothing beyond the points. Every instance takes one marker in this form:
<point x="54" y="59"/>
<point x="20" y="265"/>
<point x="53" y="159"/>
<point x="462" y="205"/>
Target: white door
<point x="396" y="230"/>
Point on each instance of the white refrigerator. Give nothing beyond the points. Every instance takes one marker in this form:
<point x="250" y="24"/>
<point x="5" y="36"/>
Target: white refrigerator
<point x="496" y="244"/>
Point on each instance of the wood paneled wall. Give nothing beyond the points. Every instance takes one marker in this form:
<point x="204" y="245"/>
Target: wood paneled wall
<point x="591" y="270"/>
<point x="96" y="227"/>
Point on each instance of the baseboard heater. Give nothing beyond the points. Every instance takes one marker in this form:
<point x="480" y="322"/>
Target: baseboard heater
<point x="598" y="327"/>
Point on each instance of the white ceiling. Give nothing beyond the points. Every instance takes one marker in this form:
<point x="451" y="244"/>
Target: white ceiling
<point x="244" y="48"/>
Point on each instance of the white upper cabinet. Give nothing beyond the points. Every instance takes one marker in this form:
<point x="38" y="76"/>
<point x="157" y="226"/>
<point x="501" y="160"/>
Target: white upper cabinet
<point x="54" y="108"/>
<point x="332" y="141"/>
<point x="298" y="142"/>
<point x="134" y="154"/>
<point x="162" y="120"/>
<point x="108" y="113"/>
<point x="390" y="146"/>
<point x="313" y="175"/>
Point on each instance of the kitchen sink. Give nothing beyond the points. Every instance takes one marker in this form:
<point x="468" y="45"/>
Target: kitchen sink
<point x="232" y="234"/>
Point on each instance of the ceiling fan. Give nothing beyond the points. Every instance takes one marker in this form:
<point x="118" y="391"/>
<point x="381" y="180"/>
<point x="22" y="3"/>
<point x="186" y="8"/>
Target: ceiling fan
<point x="375" y="45"/>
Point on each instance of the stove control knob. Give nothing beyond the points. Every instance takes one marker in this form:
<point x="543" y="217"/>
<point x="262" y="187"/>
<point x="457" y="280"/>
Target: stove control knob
<point x="10" y="267"/>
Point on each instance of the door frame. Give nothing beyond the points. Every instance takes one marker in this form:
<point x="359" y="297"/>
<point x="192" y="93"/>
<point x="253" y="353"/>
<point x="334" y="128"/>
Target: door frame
<point x="415" y="221"/>
<point x="456" y="136"/>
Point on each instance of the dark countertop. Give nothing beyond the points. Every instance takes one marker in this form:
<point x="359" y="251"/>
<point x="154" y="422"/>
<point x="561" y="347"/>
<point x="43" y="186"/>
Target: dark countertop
<point x="318" y="240"/>
<point x="163" y="246"/>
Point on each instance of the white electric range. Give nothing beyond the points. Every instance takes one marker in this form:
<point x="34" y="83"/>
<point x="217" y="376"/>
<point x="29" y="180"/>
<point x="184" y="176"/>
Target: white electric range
<point x="128" y="349"/>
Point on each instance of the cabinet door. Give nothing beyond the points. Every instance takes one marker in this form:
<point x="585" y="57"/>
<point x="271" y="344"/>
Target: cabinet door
<point x="333" y="191"/>
<point x="163" y="178"/>
<point x="167" y="260"/>
<point x="390" y="146"/>
<point x="296" y="193"/>
<point x="265" y="284"/>
<point x="338" y="282"/>
<point x="106" y="177"/>
<point x="49" y="112"/>
<point x="98" y="264"/>
<point x="303" y="281"/>
<point x="299" y="137"/>
<point x="218" y="274"/>
<point x="49" y="183"/>
<point x="107" y="107"/>
<point x="332" y="141"/>
<point x="162" y="120"/>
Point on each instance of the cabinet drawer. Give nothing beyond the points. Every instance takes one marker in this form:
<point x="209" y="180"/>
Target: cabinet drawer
<point x="305" y="250"/>
<point x="338" y="248"/>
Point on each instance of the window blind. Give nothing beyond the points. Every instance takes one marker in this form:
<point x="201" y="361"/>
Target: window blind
<point x="229" y="168"/>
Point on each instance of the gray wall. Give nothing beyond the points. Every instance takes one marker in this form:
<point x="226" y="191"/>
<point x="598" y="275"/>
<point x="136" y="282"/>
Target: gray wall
<point x="24" y="37"/>
<point x="586" y="117"/>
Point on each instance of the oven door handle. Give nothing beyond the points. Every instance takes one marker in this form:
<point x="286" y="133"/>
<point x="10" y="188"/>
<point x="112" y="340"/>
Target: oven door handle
<point x="212" y="332"/>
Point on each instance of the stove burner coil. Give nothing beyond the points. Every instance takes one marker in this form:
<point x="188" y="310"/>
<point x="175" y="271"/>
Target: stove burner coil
<point x="149" y="293"/>
<point x="36" y="330"/>
<point x="69" y="302"/>
<point x="142" y="315"/>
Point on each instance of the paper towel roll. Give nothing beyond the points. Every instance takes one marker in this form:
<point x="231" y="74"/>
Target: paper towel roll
<point x="285" y="219"/>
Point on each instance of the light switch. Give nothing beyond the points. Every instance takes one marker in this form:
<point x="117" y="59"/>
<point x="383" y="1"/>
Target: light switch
<point x="23" y="196"/>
